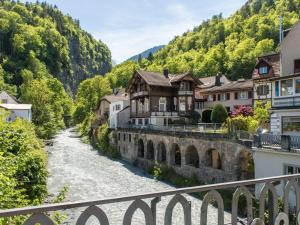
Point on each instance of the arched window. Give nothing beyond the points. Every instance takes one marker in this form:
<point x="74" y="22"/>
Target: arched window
<point x="192" y="157"/>
<point x="162" y="104"/>
<point x="213" y="159"/>
<point x="141" y="152"/>
<point x="150" y="150"/>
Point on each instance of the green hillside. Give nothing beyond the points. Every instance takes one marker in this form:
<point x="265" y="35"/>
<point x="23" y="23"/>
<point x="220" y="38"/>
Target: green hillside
<point x="44" y="55"/>
<point x="228" y="45"/>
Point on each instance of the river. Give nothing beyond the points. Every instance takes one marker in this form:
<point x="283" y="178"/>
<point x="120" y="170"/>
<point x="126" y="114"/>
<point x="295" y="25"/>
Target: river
<point x="89" y="175"/>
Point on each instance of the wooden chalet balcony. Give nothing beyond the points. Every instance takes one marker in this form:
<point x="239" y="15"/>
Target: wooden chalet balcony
<point x="164" y="113"/>
<point x="292" y="101"/>
<point x="185" y="92"/>
<point x="147" y="203"/>
<point x="140" y="94"/>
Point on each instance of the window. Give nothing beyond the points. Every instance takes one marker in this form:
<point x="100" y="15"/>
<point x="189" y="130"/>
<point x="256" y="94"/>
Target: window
<point x="297" y="86"/>
<point x="140" y="106"/>
<point x="263" y="70"/>
<point x="290" y="125"/>
<point x="182" y="104"/>
<point x="175" y="103"/>
<point x="133" y="106"/>
<point x="297" y="66"/>
<point x="223" y="97"/>
<point x="140" y="121"/>
<point x="124" y="137"/>
<point x="286" y="87"/>
<point x="4" y="101"/>
<point x="146" y="121"/>
<point x="146" y="105"/>
<point x="133" y="121"/>
<point x="262" y="90"/>
<point x="277" y="88"/>
<point x="210" y="98"/>
<point x="227" y="96"/>
<point x="119" y="138"/>
<point x="190" y="102"/>
<point x="243" y="95"/>
<point x="117" y="107"/>
<point x="129" y="137"/>
<point x="185" y="86"/>
<point x="162" y="104"/>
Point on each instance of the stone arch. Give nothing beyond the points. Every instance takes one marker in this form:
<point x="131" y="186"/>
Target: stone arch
<point x="141" y="150"/>
<point x="138" y="204"/>
<point x="175" y="155"/>
<point x="268" y="188"/>
<point x="161" y="152"/>
<point x="213" y="159"/>
<point x="209" y="198"/>
<point x="246" y="165"/>
<point x="185" y="206"/>
<point x="150" y="150"/>
<point x="282" y="217"/>
<point x="93" y="211"/>
<point x="192" y="156"/>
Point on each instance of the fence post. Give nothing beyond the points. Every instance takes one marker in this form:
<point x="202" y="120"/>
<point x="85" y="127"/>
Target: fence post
<point x="286" y="142"/>
<point x="257" y="140"/>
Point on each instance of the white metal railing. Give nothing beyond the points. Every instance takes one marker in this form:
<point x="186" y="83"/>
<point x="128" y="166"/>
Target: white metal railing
<point x="140" y="93"/>
<point x="286" y="101"/>
<point x="185" y="92"/>
<point x="39" y="214"/>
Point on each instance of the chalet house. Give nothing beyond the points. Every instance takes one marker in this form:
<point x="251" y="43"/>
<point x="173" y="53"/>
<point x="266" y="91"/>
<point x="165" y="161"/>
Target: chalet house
<point x="103" y="111"/>
<point x="219" y="89"/>
<point x="160" y="99"/>
<point x="285" y="112"/>
<point x="267" y="66"/>
<point x="15" y="109"/>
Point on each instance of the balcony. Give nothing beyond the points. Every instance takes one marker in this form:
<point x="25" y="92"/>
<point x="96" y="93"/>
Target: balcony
<point x="140" y="94"/>
<point x="286" y="102"/>
<point x="149" y="203"/>
<point x="170" y="114"/>
<point x="185" y="93"/>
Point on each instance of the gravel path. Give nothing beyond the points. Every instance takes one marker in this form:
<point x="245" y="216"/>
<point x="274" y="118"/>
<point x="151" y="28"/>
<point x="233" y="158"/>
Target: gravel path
<point x="89" y="175"/>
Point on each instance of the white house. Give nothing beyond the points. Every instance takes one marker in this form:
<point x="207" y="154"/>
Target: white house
<point x="273" y="162"/>
<point x="15" y="109"/>
<point x="118" y="107"/>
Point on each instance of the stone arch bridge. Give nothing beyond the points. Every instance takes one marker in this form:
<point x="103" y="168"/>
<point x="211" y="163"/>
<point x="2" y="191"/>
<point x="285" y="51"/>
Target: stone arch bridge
<point x="211" y="157"/>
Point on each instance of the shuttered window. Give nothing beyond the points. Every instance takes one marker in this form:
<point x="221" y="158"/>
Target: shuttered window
<point x="297" y="66"/>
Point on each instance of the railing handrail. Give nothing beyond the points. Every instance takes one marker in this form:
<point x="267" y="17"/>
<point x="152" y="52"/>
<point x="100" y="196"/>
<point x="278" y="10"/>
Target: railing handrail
<point x="188" y="190"/>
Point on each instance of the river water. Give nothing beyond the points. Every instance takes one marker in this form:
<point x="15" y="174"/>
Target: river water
<point x="90" y="176"/>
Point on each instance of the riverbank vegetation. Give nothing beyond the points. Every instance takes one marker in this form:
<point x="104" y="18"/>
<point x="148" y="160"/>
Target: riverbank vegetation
<point x="23" y="162"/>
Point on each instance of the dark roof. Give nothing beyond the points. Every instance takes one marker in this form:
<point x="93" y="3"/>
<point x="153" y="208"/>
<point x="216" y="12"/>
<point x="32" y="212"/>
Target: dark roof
<point x="208" y="82"/>
<point x="155" y="79"/>
<point x="114" y="98"/>
<point x="240" y="84"/>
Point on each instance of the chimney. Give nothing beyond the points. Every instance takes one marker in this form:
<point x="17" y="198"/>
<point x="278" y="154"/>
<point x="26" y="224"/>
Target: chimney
<point x="166" y="73"/>
<point x="218" y="79"/>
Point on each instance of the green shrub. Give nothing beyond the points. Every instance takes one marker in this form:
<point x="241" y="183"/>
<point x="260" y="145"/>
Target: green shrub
<point x="219" y="114"/>
<point x="195" y="117"/>
<point x="206" y="116"/>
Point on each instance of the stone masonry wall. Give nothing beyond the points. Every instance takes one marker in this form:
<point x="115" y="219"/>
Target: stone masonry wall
<point x="194" y="153"/>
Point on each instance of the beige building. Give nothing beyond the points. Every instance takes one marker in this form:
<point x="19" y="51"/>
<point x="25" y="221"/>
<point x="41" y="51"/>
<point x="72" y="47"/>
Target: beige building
<point x="285" y="112"/>
<point x="219" y="89"/>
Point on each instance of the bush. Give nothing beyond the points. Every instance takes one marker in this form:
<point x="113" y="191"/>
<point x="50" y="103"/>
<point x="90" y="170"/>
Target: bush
<point x="219" y="114"/>
<point x="242" y="110"/>
<point x="206" y="115"/>
<point x="195" y="117"/>
<point x="246" y="123"/>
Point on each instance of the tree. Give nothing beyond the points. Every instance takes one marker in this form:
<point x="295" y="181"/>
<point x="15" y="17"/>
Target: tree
<point x="150" y="57"/>
<point x="219" y="114"/>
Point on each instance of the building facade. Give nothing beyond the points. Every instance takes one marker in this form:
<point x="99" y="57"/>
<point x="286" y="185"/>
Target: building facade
<point x="285" y="112"/>
<point x="231" y="94"/>
<point x="115" y="108"/>
<point x="161" y="99"/>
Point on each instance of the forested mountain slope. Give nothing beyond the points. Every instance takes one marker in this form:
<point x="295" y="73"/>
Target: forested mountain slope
<point x="56" y="40"/>
<point x="228" y="45"/>
<point x="44" y="55"/>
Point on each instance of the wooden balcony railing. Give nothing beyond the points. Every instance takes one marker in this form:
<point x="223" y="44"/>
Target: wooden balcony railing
<point x="147" y="204"/>
<point x="140" y="94"/>
<point x="185" y="92"/>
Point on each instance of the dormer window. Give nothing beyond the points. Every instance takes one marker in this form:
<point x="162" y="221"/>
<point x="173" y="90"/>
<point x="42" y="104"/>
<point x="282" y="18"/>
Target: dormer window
<point x="263" y="70"/>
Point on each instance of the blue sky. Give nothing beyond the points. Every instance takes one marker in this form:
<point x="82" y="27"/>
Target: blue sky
<point x="129" y="27"/>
